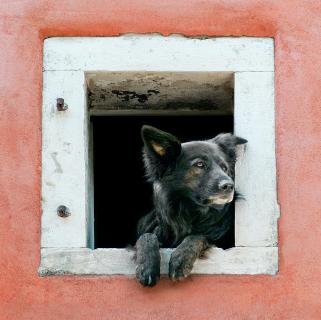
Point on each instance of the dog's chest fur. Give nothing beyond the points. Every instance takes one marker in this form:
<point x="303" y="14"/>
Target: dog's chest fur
<point x="173" y="220"/>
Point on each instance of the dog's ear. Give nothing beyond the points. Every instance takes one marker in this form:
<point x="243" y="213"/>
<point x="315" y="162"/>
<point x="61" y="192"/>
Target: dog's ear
<point x="228" y="142"/>
<point x="160" y="150"/>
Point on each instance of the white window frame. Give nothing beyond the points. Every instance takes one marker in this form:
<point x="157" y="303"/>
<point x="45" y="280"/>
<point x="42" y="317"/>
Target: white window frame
<point x="66" y="243"/>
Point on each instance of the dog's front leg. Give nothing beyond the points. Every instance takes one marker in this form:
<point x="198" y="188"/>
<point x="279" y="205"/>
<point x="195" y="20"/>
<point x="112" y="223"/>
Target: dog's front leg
<point x="183" y="257"/>
<point x="147" y="259"/>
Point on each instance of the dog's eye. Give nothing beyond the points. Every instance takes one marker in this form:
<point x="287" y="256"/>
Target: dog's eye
<point x="224" y="167"/>
<point x="199" y="164"/>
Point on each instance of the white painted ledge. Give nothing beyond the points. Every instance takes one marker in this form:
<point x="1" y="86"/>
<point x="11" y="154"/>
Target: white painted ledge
<point x="158" y="53"/>
<point x="83" y="261"/>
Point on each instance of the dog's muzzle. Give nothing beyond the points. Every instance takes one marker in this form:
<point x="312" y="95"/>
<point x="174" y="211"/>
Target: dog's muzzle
<point x="221" y="198"/>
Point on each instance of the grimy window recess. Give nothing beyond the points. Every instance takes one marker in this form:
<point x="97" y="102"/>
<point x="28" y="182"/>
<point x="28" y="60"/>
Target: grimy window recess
<point x="191" y="105"/>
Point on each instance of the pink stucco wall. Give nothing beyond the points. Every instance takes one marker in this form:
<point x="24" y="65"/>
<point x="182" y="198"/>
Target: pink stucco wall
<point x="293" y="294"/>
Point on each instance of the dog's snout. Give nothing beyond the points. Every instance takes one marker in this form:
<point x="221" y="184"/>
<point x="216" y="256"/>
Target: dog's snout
<point x="226" y="186"/>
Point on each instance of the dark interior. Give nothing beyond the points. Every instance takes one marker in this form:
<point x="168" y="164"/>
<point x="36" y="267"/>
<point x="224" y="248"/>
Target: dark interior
<point x="121" y="193"/>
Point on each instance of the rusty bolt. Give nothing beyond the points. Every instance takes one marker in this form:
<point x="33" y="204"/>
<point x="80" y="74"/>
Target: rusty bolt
<point x="61" y="105"/>
<point x="63" y="212"/>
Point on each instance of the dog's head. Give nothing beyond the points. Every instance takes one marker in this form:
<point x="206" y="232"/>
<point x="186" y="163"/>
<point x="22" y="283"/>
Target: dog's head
<point x="202" y="171"/>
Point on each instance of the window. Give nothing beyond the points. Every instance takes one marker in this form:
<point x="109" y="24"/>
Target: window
<point x="191" y="105"/>
<point x="116" y="82"/>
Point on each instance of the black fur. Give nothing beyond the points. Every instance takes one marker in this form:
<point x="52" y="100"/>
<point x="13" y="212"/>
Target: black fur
<point x="193" y="200"/>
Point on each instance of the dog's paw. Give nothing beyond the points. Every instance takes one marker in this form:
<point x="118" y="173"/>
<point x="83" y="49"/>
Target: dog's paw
<point x="147" y="274"/>
<point x="180" y="265"/>
<point x="147" y="260"/>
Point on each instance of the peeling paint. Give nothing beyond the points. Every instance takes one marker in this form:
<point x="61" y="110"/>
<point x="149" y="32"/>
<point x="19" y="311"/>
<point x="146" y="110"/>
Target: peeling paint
<point x="57" y="164"/>
<point x="212" y="91"/>
<point x="125" y="95"/>
<point x="49" y="183"/>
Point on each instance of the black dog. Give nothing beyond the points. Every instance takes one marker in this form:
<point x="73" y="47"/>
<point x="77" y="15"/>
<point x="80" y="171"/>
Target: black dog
<point x="193" y="192"/>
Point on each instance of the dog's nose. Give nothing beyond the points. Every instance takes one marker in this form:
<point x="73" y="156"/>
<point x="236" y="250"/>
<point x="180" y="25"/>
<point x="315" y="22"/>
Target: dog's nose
<point x="226" y="186"/>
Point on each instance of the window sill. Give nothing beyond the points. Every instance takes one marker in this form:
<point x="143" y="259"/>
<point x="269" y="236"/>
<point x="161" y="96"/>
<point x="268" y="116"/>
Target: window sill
<point x="84" y="261"/>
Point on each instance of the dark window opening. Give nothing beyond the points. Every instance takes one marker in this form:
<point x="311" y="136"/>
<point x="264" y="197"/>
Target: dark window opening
<point x="121" y="192"/>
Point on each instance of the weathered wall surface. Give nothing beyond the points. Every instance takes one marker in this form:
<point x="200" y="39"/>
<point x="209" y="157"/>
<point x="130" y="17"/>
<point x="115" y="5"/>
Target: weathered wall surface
<point x="293" y="294"/>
